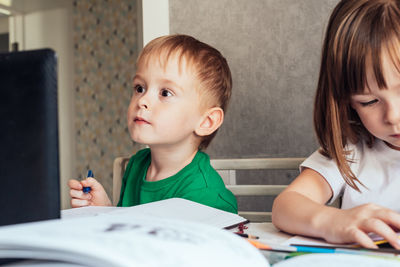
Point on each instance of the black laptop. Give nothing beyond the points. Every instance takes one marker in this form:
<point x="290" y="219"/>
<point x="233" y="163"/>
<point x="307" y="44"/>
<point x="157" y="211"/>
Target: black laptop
<point x="29" y="158"/>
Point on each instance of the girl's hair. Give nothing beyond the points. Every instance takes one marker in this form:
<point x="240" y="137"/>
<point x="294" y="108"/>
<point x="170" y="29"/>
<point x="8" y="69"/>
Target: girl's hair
<point x="359" y="31"/>
<point x="210" y="68"/>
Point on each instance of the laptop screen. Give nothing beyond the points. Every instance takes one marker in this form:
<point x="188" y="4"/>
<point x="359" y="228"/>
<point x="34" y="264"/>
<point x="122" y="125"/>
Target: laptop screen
<point x="29" y="159"/>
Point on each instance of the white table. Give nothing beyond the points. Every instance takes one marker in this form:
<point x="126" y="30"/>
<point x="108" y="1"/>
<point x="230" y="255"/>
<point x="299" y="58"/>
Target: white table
<point x="268" y="234"/>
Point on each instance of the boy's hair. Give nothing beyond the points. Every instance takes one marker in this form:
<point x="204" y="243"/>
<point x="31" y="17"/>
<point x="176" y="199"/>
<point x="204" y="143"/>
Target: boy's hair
<point x="358" y="32"/>
<point x="210" y="67"/>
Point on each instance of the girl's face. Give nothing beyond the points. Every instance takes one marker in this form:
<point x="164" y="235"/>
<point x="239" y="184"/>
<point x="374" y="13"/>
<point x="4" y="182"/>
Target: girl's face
<point x="379" y="109"/>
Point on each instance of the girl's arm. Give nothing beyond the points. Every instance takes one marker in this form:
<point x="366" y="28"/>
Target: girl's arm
<point x="300" y="209"/>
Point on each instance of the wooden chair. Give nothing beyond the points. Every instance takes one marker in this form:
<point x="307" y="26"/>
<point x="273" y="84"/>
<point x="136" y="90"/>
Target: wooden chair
<point x="255" y="190"/>
<point x="230" y="165"/>
<point x="120" y="164"/>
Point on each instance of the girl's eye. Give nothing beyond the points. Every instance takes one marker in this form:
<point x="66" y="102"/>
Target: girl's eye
<point x="139" y="89"/>
<point x="369" y="103"/>
<point x="165" y="93"/>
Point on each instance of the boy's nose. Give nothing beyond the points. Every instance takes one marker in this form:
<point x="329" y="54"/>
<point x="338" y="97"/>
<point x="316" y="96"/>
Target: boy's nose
<point x="144" y="101"/>
<point x="145" y="106"/>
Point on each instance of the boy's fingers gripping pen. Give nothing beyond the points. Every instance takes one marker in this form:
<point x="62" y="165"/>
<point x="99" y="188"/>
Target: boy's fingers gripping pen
<point x="86" y="189"/>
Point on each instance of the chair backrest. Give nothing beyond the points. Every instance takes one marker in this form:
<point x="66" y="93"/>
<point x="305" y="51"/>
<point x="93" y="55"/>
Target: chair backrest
<point x="120" y="164"/>
<point x="255" y="190"/>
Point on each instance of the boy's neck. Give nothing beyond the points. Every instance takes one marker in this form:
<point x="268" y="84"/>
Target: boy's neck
<point x="167" y="161"/>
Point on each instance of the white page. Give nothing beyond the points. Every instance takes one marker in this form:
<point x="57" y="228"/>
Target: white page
<point x="87" y="211"/>
<point x="126" y="240"/>
<point x="335" y="260"/>
<point x="267" y="233"/>
<point x="35" y="263"/>
<point x="185" y="210"/>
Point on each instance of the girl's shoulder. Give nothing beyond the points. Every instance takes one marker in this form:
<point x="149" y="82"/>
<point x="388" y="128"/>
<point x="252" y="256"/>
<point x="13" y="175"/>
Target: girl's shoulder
<point x="326" y="166"/>
<point x="377" y="148"/>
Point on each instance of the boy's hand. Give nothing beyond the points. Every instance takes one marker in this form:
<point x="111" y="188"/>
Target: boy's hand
<point x="353" y="225"/>
<point x="96" y="197"/>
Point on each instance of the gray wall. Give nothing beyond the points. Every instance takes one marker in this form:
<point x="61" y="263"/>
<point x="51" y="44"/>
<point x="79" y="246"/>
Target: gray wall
<point x="273" y="48"/>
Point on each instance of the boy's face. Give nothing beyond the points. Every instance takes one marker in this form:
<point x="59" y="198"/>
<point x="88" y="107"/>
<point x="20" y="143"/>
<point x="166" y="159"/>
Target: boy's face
<point x="165" y="107"/>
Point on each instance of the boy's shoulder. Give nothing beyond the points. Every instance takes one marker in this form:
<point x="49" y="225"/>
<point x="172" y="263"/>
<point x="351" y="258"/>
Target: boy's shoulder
<point x="201" y="167"/>
<point x="201" y="160"/>
<point x="202" y="155"/>
<point x="205" y="185"/>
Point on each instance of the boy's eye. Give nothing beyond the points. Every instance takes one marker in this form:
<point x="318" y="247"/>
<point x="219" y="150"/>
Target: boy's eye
<point x="165" y="93"/>
<point x="139" y="89"/>
<point x="369" y="103"/>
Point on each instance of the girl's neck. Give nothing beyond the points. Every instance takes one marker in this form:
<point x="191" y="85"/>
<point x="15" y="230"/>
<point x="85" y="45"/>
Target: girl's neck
<point x="167" y="161"/>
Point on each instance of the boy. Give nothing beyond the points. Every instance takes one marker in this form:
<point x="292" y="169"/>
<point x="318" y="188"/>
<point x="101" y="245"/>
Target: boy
<point x="180" y="92"/>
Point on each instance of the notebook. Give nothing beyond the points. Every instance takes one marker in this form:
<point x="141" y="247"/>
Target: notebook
<point x="29" y="164"/>
<point x="172" y="208"/>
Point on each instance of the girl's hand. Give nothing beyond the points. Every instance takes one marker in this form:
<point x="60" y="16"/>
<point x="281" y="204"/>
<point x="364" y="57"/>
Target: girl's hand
<point x="353" y="225"/>
<point x="311" y="217"/>
<point x="96" y="197"/>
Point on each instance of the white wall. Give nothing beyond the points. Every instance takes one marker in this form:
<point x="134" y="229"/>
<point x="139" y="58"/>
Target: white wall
<point x="52" y="29"/>
<point x="155" y="17"/>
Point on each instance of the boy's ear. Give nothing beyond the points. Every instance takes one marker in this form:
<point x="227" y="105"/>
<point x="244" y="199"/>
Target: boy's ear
<point x="211" y="121"/>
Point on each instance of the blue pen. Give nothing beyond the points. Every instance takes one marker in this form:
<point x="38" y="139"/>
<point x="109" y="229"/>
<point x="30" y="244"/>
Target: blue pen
<point x="86" y="189"/>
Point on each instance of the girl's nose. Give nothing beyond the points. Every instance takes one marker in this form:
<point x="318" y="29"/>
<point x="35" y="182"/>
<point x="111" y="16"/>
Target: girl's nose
<point x="392" y="115"/>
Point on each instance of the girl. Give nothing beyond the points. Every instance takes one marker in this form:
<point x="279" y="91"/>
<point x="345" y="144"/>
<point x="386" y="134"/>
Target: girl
<point x="357" y="122"/>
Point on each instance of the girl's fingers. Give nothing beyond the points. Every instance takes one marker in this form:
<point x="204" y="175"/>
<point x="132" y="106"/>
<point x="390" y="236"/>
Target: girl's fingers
<point x="390" y="217"/>
<point x="362" y="238"/>
<point x="382" y="229"/>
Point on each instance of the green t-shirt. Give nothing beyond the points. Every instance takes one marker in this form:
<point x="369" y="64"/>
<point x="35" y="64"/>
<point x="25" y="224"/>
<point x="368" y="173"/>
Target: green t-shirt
<point x="197" y="181"/>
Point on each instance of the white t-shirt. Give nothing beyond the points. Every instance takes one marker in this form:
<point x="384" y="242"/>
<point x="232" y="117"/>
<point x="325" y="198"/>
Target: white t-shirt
<point x="378" y="168"/>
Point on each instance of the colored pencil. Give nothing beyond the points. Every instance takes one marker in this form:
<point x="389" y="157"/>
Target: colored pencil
<point x="325" y="249"/>
<point x="247" y="236"/>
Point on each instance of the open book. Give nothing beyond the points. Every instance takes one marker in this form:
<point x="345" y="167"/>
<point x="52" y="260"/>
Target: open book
<point x="118" y="238"/>
<point x="173" y="208"/>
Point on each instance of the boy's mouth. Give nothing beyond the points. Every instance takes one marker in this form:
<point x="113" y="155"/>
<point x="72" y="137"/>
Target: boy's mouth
<point x="140" y="120"/>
